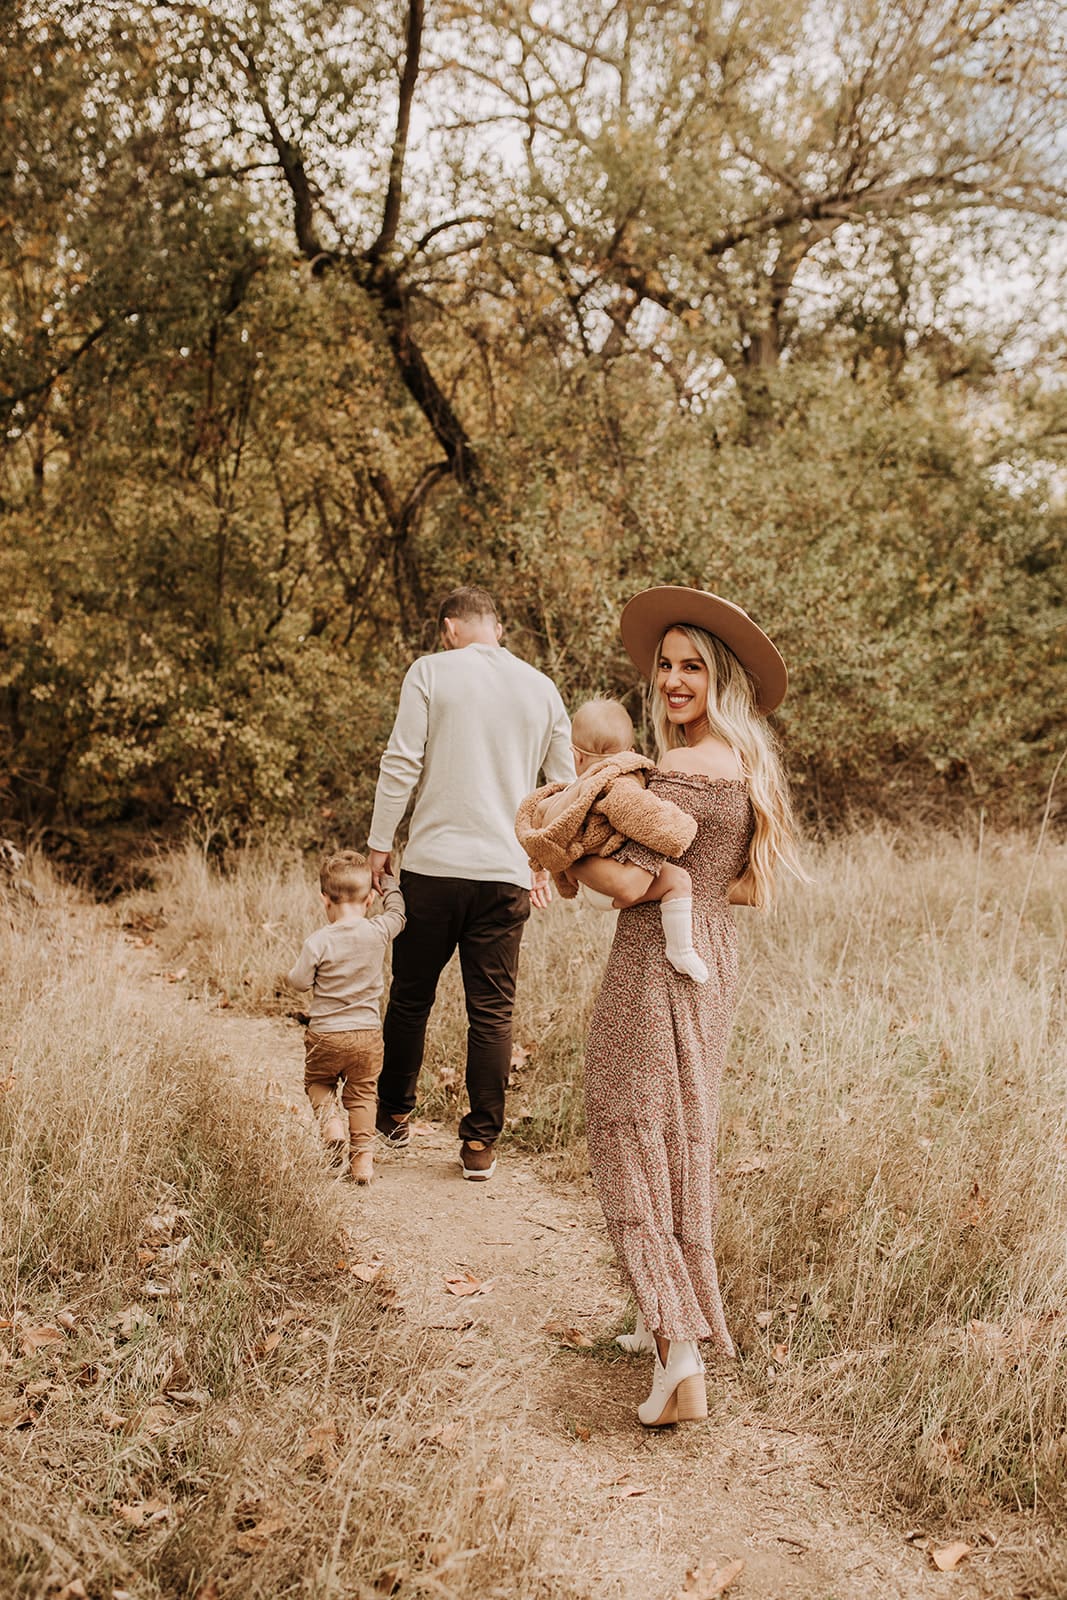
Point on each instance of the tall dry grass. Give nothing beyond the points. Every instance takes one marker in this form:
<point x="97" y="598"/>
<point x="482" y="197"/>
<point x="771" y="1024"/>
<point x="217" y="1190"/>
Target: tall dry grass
<point x="895" y="1155"/>
<point x="197" y="1397"/>
<point x="894" y="1143"/>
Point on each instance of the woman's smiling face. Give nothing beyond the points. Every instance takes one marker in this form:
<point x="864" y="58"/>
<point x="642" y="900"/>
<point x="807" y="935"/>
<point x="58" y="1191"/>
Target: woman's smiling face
<point x="682" y="680"/>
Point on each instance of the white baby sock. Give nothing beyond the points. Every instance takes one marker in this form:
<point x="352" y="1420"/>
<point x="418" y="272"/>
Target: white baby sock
<point x="598" y="901"/>
<point x="677" y="919"/>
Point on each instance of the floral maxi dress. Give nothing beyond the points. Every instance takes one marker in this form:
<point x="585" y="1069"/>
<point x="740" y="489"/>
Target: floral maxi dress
<point x="654" y="1061"/>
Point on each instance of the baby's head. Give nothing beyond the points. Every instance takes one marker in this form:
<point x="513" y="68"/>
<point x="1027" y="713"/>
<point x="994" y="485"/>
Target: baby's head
<point x="599" y="729"/>
<point x="345" y="880"/>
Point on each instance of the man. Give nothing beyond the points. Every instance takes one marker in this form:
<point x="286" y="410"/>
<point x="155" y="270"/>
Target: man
<point x="474" y="729"/>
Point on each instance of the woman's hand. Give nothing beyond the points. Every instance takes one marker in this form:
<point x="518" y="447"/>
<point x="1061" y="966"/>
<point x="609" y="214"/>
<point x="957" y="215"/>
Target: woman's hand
<point x="742" y="892"/>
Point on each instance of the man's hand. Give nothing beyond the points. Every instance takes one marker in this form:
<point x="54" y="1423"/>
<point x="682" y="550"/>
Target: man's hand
<point x="540" y="888"/>
<point x="381" y="866"/>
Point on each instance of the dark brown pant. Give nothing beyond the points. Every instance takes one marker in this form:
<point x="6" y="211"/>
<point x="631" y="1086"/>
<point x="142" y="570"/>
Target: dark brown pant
<point x="484" y="922"/>
<point x="352" y="1059"/>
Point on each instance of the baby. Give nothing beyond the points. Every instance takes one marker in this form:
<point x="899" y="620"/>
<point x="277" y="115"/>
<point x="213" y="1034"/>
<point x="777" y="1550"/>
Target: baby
<point x="605" y="807"/>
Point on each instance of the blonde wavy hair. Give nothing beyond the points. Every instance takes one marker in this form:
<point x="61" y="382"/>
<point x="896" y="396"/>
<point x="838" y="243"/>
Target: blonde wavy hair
<point x="734" y="718"/>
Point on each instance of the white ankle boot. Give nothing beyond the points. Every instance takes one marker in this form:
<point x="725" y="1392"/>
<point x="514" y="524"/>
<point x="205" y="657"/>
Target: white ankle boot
<point x="638" y="1343"/>
<point x="678" y="1392"/>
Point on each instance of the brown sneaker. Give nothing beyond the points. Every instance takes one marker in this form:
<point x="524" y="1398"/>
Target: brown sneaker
<point x="477" y="1160"/>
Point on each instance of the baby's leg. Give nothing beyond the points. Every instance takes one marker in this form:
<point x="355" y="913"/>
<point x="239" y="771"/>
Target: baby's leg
<point x="623" y="882"/>
<point x="631" y="885"/>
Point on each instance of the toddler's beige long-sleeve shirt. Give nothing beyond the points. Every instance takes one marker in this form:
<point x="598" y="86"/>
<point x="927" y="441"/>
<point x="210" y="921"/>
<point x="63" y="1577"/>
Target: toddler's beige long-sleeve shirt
<point x="341" y="963"/>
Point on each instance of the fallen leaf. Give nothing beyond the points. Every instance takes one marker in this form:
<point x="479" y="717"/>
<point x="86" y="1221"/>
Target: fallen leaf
<point x="366" y="1271"/>
<point x="949" y="1558"/>
<point x="15" y="1414"/>
<point x="465" y="1283"/>
<point x="626" y="1492"/>
<point x="389" y="1579"/>
<point x="575" y="1337"/>
<point x="208" y="1590"/>
<point x="269" y="1344"/>
<point x="321" y="1442"/>
<point x="188" y="1397"/>
<point x="448" y="1434"/>
<point x="75" y="1590"/>
<point x="764" y="1319"/>
<point x="143" y="1514"/>
<point x="152" y="1420"/>
<point x="111" y="1421"/>
<point x="582" y="1432"/>
<point x="66" y="1319"/>
<point x="131" y="1319"/>
<point x="946" y="1452"/>
<point x="704" y="1583"/>
<point x="253" y="1540"/>
<point x="33" y="1339"/>
<point x="38" y="1390"/>
<point x="748" y="1167"/>
<point x="520" y="1054"/>
<point x="780" y="1352"/>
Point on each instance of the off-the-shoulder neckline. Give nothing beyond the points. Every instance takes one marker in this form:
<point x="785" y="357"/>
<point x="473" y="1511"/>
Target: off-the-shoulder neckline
<point x="700" y="777"/>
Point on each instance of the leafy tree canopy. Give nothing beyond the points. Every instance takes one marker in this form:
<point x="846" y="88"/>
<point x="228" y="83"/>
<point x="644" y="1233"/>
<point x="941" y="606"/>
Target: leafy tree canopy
<point x="309" y="311"/>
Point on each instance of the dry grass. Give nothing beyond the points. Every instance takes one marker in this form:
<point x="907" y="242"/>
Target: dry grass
<point x="896" y="1160"/>
<point x="194" y="1400"/>
<point x="894" y="1149"/>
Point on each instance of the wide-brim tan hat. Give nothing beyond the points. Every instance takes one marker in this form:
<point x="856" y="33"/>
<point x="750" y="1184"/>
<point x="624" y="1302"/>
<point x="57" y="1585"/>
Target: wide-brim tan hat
<point x="649" y="615"/>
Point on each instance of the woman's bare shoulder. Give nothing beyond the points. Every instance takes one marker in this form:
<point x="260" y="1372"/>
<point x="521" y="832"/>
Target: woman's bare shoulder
<point x="709" y="759"/>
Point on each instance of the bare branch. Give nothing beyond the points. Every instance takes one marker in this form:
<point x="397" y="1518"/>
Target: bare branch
<point x="408" y="80"/>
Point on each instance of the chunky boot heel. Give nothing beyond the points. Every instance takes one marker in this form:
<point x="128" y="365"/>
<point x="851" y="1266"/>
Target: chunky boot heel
<point x="678" y="1393"/>
<point x="691" y="1399"/>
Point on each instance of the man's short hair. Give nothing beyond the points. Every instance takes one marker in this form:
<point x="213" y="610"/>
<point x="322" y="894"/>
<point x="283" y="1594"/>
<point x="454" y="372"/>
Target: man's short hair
<point x="602" y="727"/>
<point x="345" y="876"/>
<point x="466" y="603"/>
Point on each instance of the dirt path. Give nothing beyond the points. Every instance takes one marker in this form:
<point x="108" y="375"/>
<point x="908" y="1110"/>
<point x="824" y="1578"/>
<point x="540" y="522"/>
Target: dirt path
<point x="633" y="1511"/>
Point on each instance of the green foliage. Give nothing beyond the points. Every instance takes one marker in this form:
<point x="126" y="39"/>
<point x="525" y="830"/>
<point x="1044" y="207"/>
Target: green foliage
<point x="234" y="481"/>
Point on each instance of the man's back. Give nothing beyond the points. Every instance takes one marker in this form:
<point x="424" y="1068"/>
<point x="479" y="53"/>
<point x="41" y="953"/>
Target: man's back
<point x="474" y="729"/>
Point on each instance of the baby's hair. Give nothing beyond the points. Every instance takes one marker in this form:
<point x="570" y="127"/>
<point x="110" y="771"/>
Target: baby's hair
<point x="345" y="877"/>
<point x="602" y="727"/>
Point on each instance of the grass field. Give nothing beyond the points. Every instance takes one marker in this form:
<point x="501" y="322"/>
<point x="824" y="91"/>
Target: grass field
<point x="198" y="1397"/>
<point x="185" y="1366"/>
<point x="894" y="1143"/>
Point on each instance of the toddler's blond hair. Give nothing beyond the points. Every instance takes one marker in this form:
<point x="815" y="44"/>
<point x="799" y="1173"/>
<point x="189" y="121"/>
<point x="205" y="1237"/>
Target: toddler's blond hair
<point x="602" y="727"/>
<point x="345" y="877"/>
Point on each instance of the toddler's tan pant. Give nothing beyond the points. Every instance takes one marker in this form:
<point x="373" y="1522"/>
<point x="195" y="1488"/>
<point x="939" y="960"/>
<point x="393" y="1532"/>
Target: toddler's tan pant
<point x="353" y="1060"/>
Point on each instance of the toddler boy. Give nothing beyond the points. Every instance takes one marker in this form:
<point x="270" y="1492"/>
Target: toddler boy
<point x="342" y="966"/>
<point x="605" y="806"/>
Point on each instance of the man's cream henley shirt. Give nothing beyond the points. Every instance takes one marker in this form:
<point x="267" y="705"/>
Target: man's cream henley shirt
<point x="474" y="729"/>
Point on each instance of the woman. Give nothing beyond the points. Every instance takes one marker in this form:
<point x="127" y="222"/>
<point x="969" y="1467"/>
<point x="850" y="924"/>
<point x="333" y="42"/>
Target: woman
<point x="657" y="1043"/>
